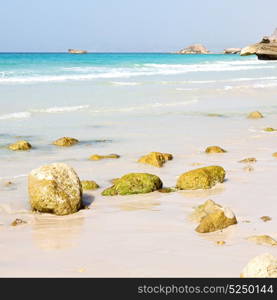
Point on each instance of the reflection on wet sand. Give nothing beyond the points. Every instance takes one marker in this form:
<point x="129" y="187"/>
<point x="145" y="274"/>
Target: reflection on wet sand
<point x="56" y="233"/>
<point x="139" y="204"/>
<point x="221" y="235"/>
<point x="218" y="189"/>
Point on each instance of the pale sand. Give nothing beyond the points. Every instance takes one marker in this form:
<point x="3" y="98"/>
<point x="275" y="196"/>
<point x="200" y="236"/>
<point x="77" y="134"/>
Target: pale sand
<point x="146" y="235"/>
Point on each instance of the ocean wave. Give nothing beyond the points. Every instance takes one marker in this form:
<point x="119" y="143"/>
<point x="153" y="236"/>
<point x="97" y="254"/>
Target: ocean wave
<point x="59" y="109"/>
<point x="146" y="69"/>
<point x="16" y="115"/>
<point x="144" y="107"/>
<point x="125" y="83"/>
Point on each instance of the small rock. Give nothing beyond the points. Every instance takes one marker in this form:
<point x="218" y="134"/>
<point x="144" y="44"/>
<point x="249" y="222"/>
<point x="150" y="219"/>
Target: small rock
<point x="56" y="189"/>
<point x="20" y="146"/>
<point x="8" y="183"/>
<point x="98" y="157"/>
<point x="270" y="129"/>
<point x="214" y="149"/>
<point x="18" y="222"/>
<point x="156" y="159"/>
<point x="89" y="185"/>
<point x="265" y="218"/>
<point x="262" y="240"/>
<point x="274" y="154"/>
<point x="255" y="115"/>
<point x="220" y="243"/>
<point x="262" y="266"/>
<point x="203" y="210"/>
<point x="248" y="160"/>
<point x="202" y="178"/>
<point x="217" y="220"/>
<point x="134" y="183"/>
<point x="248" y="169"/>
<point x="65" y="142"/>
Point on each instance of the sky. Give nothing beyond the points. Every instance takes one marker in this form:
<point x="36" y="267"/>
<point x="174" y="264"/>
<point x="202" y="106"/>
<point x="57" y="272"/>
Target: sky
<point x="133" y="25"/>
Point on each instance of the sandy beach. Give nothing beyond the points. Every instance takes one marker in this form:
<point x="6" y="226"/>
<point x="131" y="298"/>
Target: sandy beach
<point x="146" y="235"/>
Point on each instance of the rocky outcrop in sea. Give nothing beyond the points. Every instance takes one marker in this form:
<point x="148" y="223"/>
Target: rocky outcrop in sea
<point x="265" y="50"/>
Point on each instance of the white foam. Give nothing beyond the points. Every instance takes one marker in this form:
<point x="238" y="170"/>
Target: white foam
<point x="144" y="107"/>
<point x="59" y="109"/>
<point x="125" y="83"/>
<point x="16" y="115"/>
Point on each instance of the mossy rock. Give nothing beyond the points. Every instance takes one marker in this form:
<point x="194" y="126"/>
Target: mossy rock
<point x="217" y="220"/>
<point x="248" y="160"/>
<point x="156" y="159"/>
<point x="99" y="157"/>
<point x="89" y="185"/>
<point x="55" y="189"/>
<point x="262" y="240"/>
<point x="214" y="149"/>
<point x="134" y="183"/>
<point x="202" y="178"/>
<point x="269" y="129"/>
<point x="255" y="115"/>
<point x="20" y="146"/>
<point x="65" y="142"/>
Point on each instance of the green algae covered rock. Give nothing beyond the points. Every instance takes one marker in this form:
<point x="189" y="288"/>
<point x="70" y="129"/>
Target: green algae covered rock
<point x="214" y="149"/>
<point x="134" y="183"/>
<point x="98" y="157"/>
<point x="217" y="220"/>
<point x="167" y="190"/>
<point x="20" y="146"/>
<point x="55" y="189"/>
<point x="156" y="159"/>
<point x="202" y="178"/>
<point x="269" y="129"/>
<point x="89" y="185"/>
<point x="65" y="142"/>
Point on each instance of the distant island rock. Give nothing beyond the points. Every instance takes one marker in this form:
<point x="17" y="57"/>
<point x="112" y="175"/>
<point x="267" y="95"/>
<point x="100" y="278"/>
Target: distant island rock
<point x="76" y="51"/>
<point x="232" y="51"/>
<point x="194" y="49"/>
<point x="265" y="50"/>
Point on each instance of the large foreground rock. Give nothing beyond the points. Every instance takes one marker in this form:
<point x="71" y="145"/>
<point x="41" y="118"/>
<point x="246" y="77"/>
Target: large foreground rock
<point x="156" y="159"/>
<point x="194" y="49"/>
<point x="134" y="183"/>
<point x="266" y="49"/>
<point x="20" y="146"/>
<point x="263" y="266"/>
<point x="56" y="189"/>
<point x="202" y="178"/>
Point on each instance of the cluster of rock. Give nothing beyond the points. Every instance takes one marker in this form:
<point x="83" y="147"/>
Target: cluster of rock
<point x="57" y="189"/>
<point x="194" y="49"/>
<point x="77" y="51"/>
<point x="266" y="49"/>
<point x="232" y="51"/>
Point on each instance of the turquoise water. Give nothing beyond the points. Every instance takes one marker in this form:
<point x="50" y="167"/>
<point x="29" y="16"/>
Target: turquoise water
<point x="54" y="67"/>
